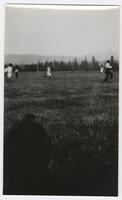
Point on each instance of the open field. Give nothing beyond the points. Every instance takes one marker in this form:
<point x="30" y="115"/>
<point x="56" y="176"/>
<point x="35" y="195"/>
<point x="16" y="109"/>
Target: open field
<point x="80" y="114"/>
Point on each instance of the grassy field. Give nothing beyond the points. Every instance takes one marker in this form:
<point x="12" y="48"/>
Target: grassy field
<point x="79" y="113"/>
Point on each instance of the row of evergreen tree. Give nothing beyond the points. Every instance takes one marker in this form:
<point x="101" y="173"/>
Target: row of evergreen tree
<point x="74" y="65"/>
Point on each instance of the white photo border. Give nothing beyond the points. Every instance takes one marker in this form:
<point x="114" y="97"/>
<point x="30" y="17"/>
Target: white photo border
<point x="2" y="25"/>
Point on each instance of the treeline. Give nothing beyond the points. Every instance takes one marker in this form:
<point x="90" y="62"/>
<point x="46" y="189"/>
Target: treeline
<point x="74" y="65"/>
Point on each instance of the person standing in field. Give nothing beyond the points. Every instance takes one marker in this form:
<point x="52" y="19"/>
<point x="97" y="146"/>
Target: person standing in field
<point x="49" y="72"/>
<point x="101" y="70"/>
<point x="108" y="71"/>
<point x="9" y="72"/>
<point x="16" y="72"/>
<point x="5" y="72"/>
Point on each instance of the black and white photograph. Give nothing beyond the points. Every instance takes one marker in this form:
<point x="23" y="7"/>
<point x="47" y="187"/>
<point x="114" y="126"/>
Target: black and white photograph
<point x="61" y="100"/>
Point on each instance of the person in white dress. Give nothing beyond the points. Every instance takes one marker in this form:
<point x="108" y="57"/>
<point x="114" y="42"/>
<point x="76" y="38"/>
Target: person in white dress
<point x="9" y="71"/>
<point x="101" y="70"/>
<point x="49" y="72"/>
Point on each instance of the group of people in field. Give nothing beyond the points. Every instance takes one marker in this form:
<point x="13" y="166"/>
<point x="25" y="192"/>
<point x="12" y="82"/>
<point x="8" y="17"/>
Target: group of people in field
<point x="9" y="72"/>
<point x="107" y="70"/>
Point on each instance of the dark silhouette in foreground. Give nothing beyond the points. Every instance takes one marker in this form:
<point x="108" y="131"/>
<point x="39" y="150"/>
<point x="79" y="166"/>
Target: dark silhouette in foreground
<point x="74" y="171"/>
<point x="26" y="159"/>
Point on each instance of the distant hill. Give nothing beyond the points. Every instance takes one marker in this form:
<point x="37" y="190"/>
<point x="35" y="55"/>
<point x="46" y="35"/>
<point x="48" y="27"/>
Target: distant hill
<point x="31" y="58"/>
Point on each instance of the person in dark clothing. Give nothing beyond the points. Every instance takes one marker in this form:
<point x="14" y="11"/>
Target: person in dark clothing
<point x="26" y="159"/>
<point x="16" y="72"/>
<point x="108" y="71"/>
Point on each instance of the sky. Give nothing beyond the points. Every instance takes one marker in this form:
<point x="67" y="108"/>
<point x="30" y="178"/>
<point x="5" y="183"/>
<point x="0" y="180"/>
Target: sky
<point x="61" y="32"/>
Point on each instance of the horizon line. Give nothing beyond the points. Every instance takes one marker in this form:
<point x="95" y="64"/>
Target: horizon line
<point x="84" y="54"/>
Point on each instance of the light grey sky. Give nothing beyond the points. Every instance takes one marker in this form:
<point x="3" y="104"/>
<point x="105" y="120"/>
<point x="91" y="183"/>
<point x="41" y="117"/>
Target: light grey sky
<point x="71" y="32"/>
